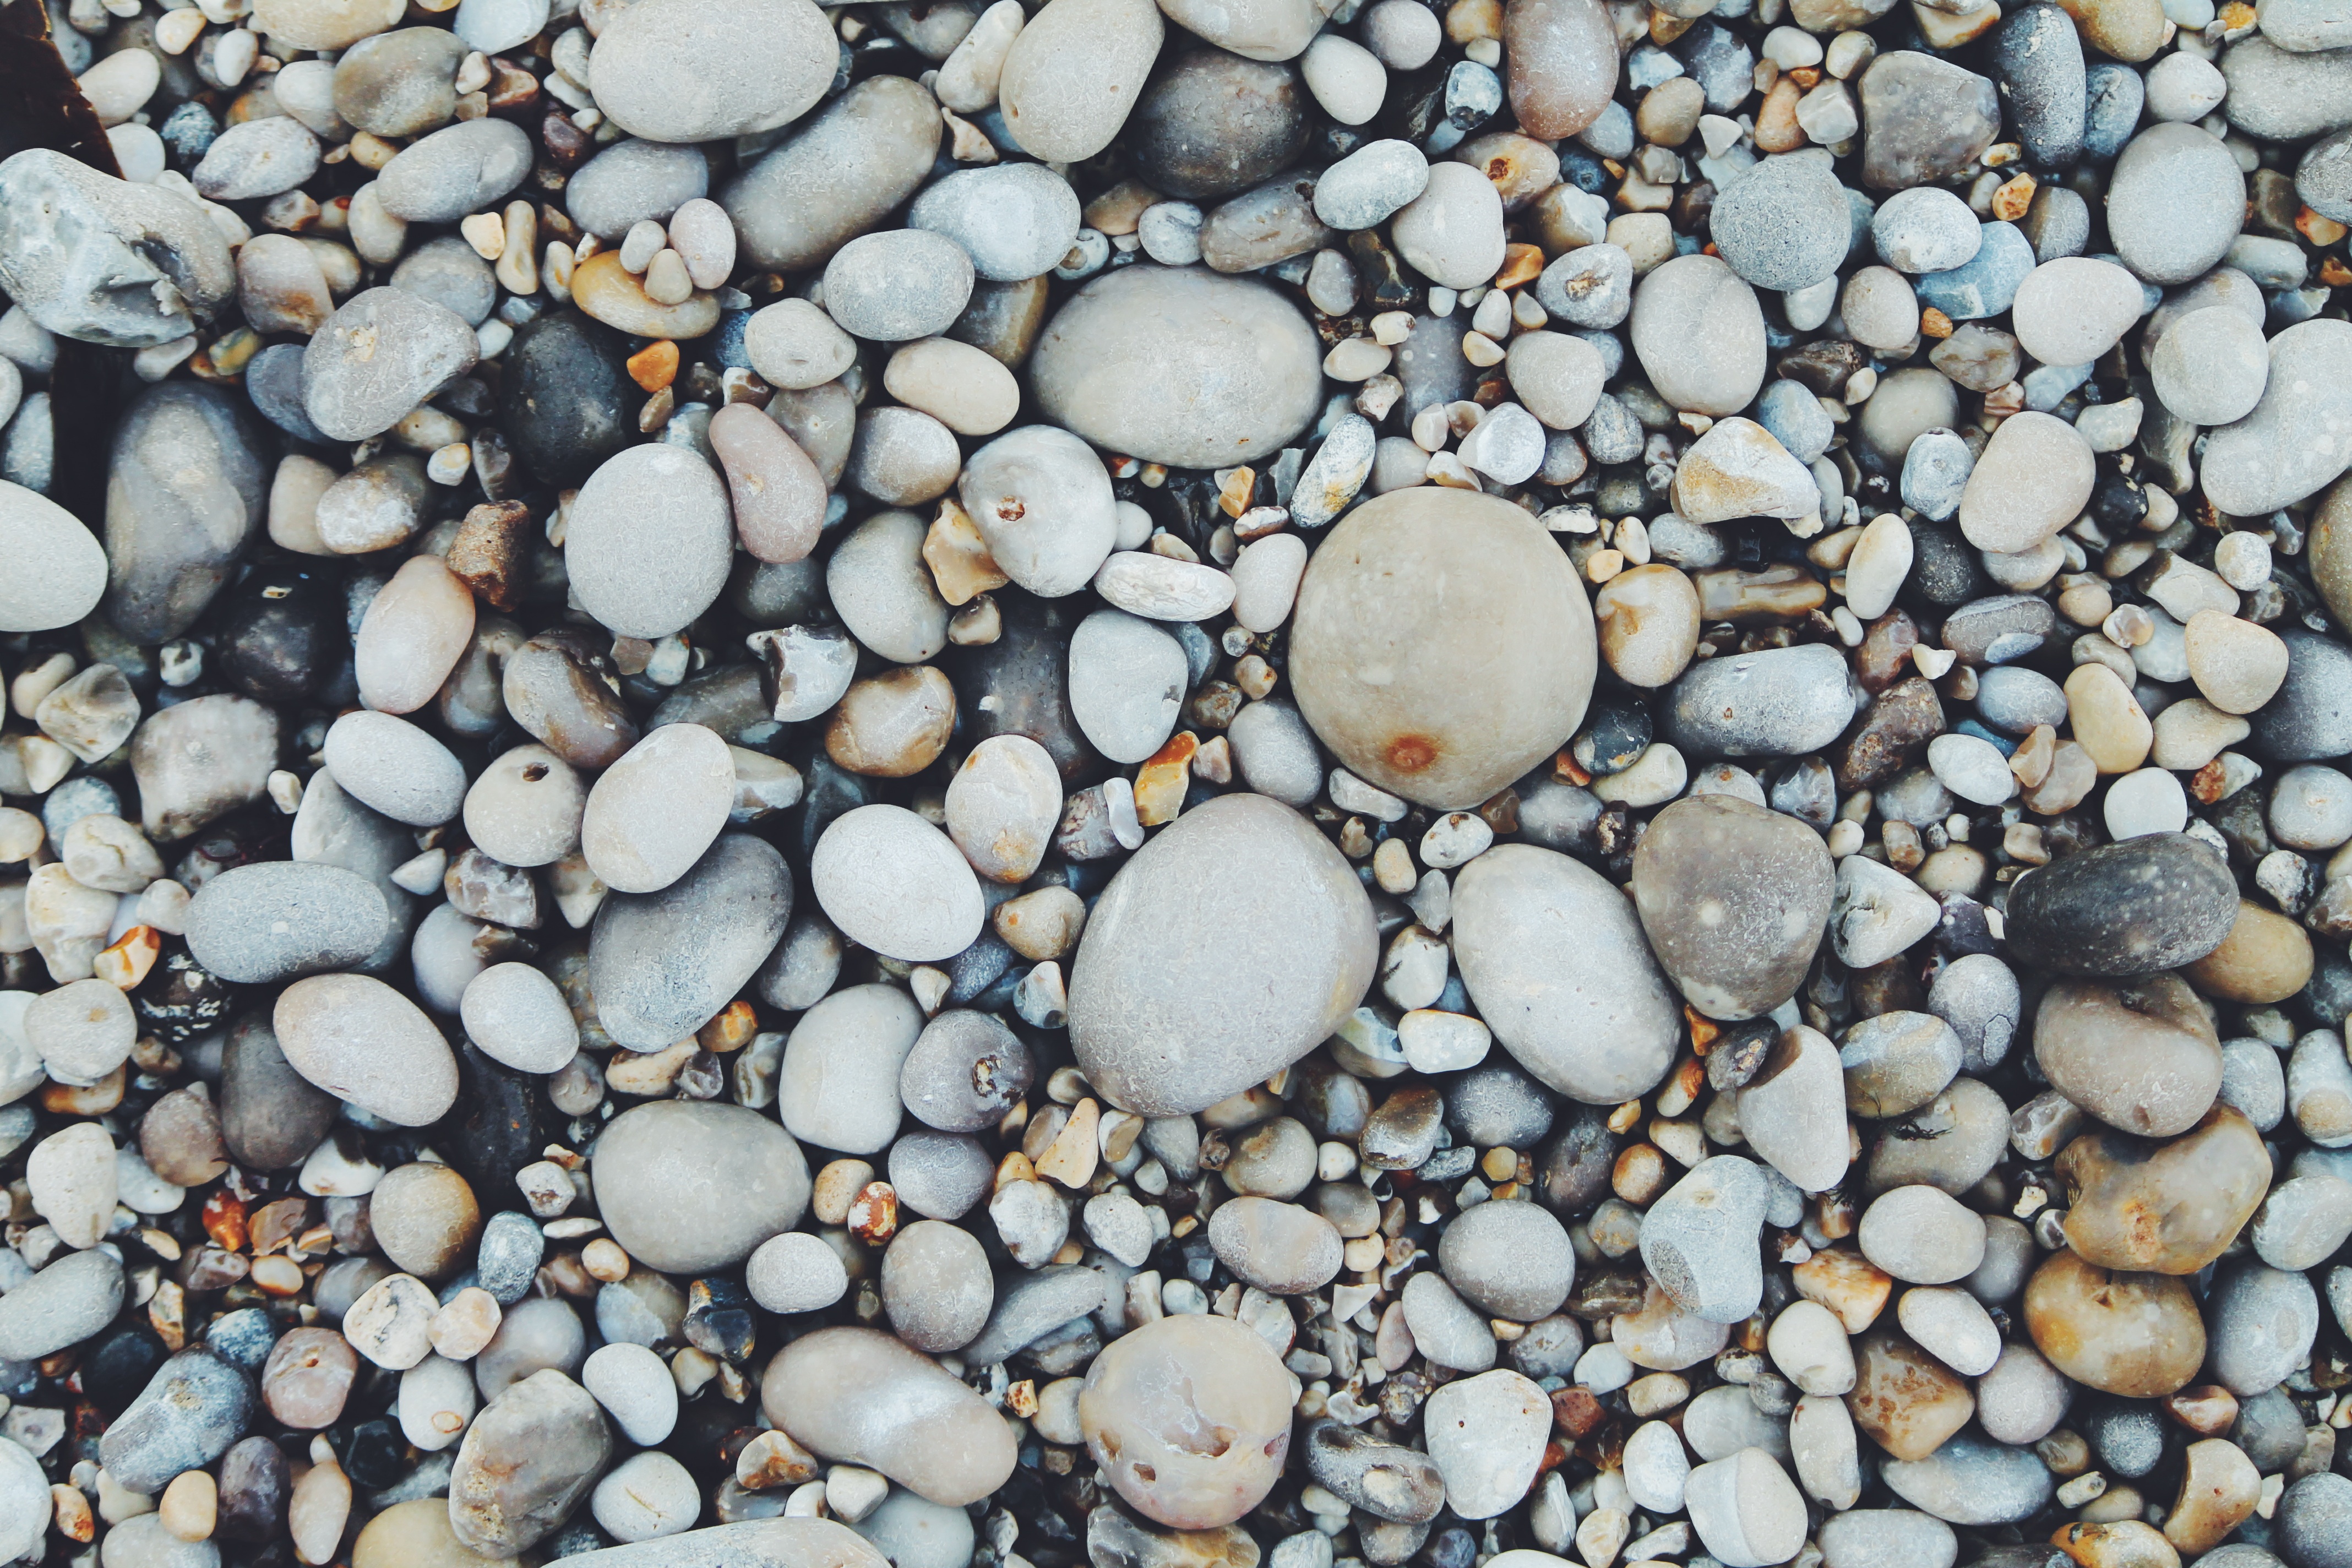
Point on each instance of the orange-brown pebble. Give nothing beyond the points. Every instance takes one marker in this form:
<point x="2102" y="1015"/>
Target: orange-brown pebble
<point x="655" y="365"/>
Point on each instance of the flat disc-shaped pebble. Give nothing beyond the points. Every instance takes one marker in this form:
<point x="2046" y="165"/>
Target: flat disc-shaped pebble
<point x="2175" y="202"/>
<point x="368" y="1046"/>
<point x="60" y="570"/>
<point x="381" y="354"/>
<point x="1176" y="998"/>
<point x="838" y="1086"/>
<point x="458" y="169"/>
<point x="1015" y="220"/>
<point x="898" y="285"/>
<point x="1073" y="74"/>
<point x="1442" y="645"/>
<point x="651" y="815"/>
<point x="1555" y="959"/>
<point x="276" y="919"/>
<point x="1236" y="372"/>
<point x="650" y="540"/>
<point x="893" y="882"/>
<point x="663" y="964"/>
<point x="779" y="497"/>
<point x="2033" y="479"/>
<point x="687" y="1187"/>
<point x="701" y="71"/>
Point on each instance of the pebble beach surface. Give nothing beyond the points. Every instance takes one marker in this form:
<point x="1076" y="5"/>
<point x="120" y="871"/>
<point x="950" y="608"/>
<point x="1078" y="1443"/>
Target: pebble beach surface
<point x="1236" y="784"/>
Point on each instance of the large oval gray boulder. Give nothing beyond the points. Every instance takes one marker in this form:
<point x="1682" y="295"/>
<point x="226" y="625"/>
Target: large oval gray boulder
<point x="689" y="1185"/>
<point x="698" y="70"/>
<point x="662" y="964"/>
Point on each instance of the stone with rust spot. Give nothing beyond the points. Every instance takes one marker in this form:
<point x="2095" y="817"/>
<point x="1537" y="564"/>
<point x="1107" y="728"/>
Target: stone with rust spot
<point x="2136" y="1335"/>
<point x="1892" y="734"/>
<point x="2165" y="1208"/>
<point x="1903" y="1399"/>
<point x="526" y="1462"/>
<point x="1442" y="645"/>
<point x="487" y="553"/>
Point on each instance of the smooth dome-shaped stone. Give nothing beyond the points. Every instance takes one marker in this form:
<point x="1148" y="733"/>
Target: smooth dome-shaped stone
<point x="1562" y="58"/>
<point x="368" y="1046"/>
<point x="838" y="1087"/>
<point x="893" y="882"/>
<point x="1698" y="333"/>
<point x="2151" y="903"/>
<point x="1042" y="500"/>
<point x="1792" y="1112"/>
<point x="662" y="964"/>
<point x="64" y="1304"/>
<point x="61" y="568"/>
<point x="936" y="1285"/>
<point x="965" y="1071"/>
<point x="1697" y="1239"/>
<point x="687" y="1187"/>
<point x="517" y="1016"/>
<point x="773" y="1543"/>
<point x="701" y="70"/>
<point x="1734" y="900"/>
<point x="651" y="815"/>
<point x="1784" y="224"/>
<point x="1175" y="1001"/>
<point x="1236" y="373"/>
<point x="2138" y="1053"/>
<point x="382" y="353"/>
<point x="186" y="487"/>
<point x="525" y="809"/>
<point x="1127" y="681"/>
<point x="860" y="1396"/>
<point x="839" y="176"/>
<point x="2175" y="202"/>
<point x="1212" y="123"/>
<point x="1073" y="73"/>
<point x="2033" y="478"/>
<point x="1555" y="959"/>
<point x="259" y="924"/>
<point x="2163" y="1208"/>
<point x="1189" y="1418"/>
<point x="650" y="540"/>
<point x="2137" y="1335"/>
<point x="1016" y="220"/>
<point x="526" y="1462"/>
<point x="2299" y="436"/>
<point x="1442" y="645"/>
<point x="1511" y="1261"/>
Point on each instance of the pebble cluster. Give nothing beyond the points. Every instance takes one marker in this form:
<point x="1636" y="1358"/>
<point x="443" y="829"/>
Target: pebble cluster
<point x="1236" y="784"/>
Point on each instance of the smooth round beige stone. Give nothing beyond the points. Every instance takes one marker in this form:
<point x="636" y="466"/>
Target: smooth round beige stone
<point x="1002" y="805"/>
<point x="426" y="1218"/>
<point x="1558" y="376"/>
<point x="1189" y="1416"/>
<point x="1236" y="372"/>
<point x="2265" y="958"/>
<point x="1699" y="334"/>
<point x="2140" y="1054"/>
<point x="525" y="809"/>
<point x="2136" y="1335"/>
<point x="368" y="1046"/>
<point x="2033" y="479"/>
<point x="325" y="24"/>
<point x="2107" y="720"/>
<point x="1073" y="74"/>
<point x="1442" y="645"/>
<point x="416" y="630"/>
<point x="1880" y="308"/>
<point x="1561" y="57"/>
<point x="1648" y="622"/>
<point x="793" y="345"/>
<point x="698" y="70"/>
<point x="778" y="495"/>
<point x="651" y="815"/>
<point x="861" y="1396"/>
<point x="893" y="882"/>
<point x="893" y="725"/>
<point x="2238" y="666"/>
<point x="689" y="1185"/>
<point x="416" y="1535"/>
<point x="964" y="388"/>
<point x="1180" y="996"/>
